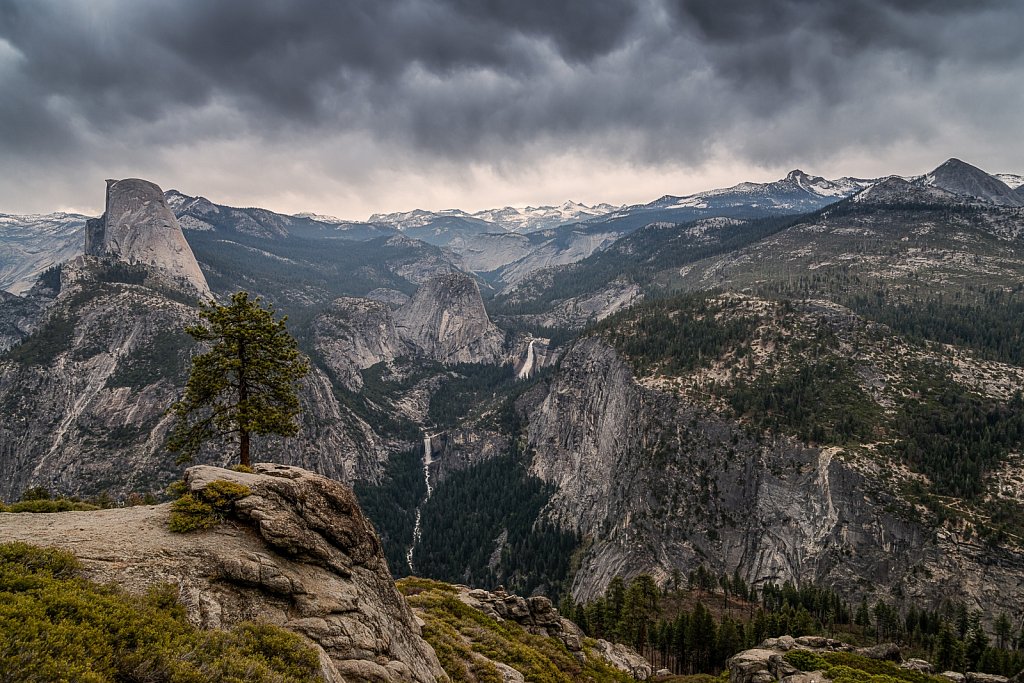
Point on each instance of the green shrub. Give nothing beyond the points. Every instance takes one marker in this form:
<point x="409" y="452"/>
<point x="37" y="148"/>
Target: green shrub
<point x="30" y="558"/>
<point x="55" y="626"/>
<point x="36" y="493"/>
<point x="206" y="508"/>
<point x="846" y="674"/>
<point x="188" y="513"/>
<point x="58" y="505"/>
<point x="222" y="494"/>
<point x="177" y="489"/>
<point x="241" y="468"/>
<point x="847" y="667"/>
<point x="805" y="660"/>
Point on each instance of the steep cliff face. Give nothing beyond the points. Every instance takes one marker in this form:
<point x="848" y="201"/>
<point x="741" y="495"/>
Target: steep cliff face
<point x="138" y="227"/>
<point x="297" y="552"/>
<point x="18" y="317"/>
<point x="332" y="440"/>
<point x="355" y="334"/>
<point x="655" y="475"/>
<point x="84" y="397"/>
<point x="446" y="321"/>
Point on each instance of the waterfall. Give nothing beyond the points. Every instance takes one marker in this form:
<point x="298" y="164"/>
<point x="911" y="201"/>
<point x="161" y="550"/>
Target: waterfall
<point x="527" y="368"/>
<point x="428" y="454"/>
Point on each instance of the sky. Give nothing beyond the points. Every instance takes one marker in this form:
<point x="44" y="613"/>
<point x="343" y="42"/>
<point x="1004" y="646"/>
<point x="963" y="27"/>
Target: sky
<point x="349" y="107"/>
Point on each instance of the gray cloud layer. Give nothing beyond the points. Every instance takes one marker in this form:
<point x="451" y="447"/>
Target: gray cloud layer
<point x="331" y="104"/>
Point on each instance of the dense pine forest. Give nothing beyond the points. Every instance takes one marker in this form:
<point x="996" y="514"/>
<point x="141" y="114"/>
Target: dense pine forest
<point x="481" y="528"/>
<point x="694" y="625"/>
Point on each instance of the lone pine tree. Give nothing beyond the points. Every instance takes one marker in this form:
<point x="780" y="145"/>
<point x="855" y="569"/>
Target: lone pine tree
<point x="244" y="384"/>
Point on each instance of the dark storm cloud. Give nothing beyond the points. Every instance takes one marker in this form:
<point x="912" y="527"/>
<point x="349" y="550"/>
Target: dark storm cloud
<point x="495" y="82"/>
<point x="753" y="40"/>
<point x="126" y="59"/>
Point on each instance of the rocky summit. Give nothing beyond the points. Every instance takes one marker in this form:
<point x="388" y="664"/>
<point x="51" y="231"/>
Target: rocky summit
<point x="297" y="552"/>
<point x="447" y="321"/>
<point x="138" y="227"/>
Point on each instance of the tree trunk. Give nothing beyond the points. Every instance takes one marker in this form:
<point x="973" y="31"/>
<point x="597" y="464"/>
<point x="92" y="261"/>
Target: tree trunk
<point x="243" y="398"/>
<point x="243" y="454"/>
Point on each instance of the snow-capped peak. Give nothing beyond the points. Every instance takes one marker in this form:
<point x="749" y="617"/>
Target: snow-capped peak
<point x="508" y="218"/>
<point x="322" y="218"/>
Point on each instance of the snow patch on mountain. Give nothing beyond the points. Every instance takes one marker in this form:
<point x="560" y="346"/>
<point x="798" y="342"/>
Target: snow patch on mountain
<point x="1012" y="180"/>
<point x="522" y="219"/>
<point x="31" y="244"/>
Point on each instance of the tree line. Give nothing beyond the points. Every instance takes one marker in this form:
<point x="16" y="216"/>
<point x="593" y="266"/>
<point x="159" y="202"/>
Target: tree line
<point x="696" y="626"/>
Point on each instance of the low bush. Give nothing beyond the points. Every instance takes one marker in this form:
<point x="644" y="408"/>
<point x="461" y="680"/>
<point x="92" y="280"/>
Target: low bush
<point x="222" y="494"/>
<point x="176" y="489"/>
<point x="206" y="508"/>
<point x="805" y="660"/>
<point x="56" y="626"/>
<point x="58" y="505"/>
<point x="188" y="513"/>
<point x="847" y="667"/>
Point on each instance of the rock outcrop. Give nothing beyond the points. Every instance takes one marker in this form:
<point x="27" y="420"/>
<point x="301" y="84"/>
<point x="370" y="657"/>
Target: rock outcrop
<point x="297" y="552"/>
<point x="658" y="482"/>
<point x="625" y="658"/>
<point x="138" y="227"/>
<point x="445" y="320"/>
<point x="766" y="663"/>
<point x="538" y="616"/>
<point x="355" y="334"/>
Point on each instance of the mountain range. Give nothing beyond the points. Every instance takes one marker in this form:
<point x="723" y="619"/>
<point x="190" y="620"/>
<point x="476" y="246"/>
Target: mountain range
<point x="502" y="245"/>
<point x="808" y="380"/>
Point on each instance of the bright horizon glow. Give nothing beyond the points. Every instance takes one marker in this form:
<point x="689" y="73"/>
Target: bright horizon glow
<point x="618" y="187"/>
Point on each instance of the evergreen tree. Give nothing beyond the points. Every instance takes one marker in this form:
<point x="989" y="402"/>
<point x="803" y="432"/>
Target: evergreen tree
<point x="1004" y="631"/>
<point x="945" y="647"/>
<point x="680" y="638"/>
<point x="863" y="618"/>
<point x="615" y="599"/>
<point x="244" y="384"/>
<point x="702" y="638"/>
<point x="729" y="641"/>
<point x="977" y="642"/>
<point x="640" y="603"/>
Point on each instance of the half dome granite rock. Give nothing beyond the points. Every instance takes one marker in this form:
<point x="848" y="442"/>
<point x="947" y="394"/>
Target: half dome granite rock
<point x="138" y="227"/>
<point x="298" y="552"/>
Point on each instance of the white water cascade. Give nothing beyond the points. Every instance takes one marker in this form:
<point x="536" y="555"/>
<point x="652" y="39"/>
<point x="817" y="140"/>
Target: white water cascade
<point x="416" y="531"/>
<point x="527" y="368"/>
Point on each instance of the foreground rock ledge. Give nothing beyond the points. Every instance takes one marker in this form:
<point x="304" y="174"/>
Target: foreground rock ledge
<point x="766" y="663"/>
<point x="301" y="555"/>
